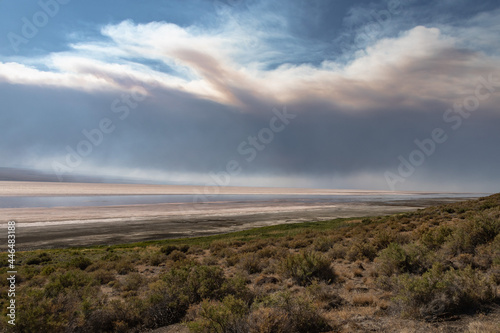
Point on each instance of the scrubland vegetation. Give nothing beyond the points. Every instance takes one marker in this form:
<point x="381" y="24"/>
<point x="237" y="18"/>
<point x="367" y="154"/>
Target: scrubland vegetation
<point x="435" y="269"/>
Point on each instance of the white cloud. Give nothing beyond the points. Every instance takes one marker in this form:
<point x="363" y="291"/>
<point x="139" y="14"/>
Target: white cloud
<point x="420" y="64"/>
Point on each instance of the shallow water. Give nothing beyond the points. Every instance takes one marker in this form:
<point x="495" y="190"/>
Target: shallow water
<point x="119" y="200"/>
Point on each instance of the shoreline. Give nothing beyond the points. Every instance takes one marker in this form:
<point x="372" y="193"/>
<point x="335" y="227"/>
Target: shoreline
<point x="91" y="226"/>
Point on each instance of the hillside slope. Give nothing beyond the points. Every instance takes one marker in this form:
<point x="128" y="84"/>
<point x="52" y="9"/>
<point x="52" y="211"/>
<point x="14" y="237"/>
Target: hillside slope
<point x="432" y="270"/>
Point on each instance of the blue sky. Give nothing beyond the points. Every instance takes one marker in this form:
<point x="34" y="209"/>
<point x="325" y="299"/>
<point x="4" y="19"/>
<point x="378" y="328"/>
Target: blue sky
<point x="186" y="88"/>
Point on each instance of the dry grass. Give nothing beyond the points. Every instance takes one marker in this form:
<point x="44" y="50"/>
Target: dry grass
<point x="367" y="299"/>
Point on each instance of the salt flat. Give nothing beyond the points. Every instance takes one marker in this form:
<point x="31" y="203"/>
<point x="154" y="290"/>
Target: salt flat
<point x="51" y="227"/>
<point x="14" y="188"/>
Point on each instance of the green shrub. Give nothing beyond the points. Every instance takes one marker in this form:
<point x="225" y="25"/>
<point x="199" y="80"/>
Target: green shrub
<point x="196" y="282"/>
<point x="184" y="248"/>
<point x="111" y="256"/>
<point x="115" y="316"/>
<point x="221" y="317"/>
<point x="103" y="276"/>
<point x="167" y="249"/>
<point x="132" y="282"/>
<point x="360" y="250"/>
<point x="299" y="314"/>
<point x="392" y="260"/>
<point x="74" y="279"/>
<point x="217" y="246"/>
<point x="251" y="263"/>
<point x="163" y="308"/>
<point x="177" y="255"/>
<point x="439" y="293"/>
<point x="155" y="259"/>
<point x="472" y="233"/>
<point x="307" y="266"/>
<point x="397" y="259"/>
<point x="41" y="258"/>
<point x="434" y="238"/>
<point x="269" y="320"/>
<point x="80" y="262"/>
<point x="38" y="313"/>
<point x="323" y="244"/>
<point x="338" y="251"/>
<point x="48" y="270"/>
<point x="383" y="238"/>
<point x="124" y="267"/>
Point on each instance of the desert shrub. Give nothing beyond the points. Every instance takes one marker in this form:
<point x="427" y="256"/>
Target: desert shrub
<point x="391" y="260"/>
<point x="177" y="255"/>
<point x="229" y="315"/>
<point x="184" y="248"/>
<point x="38" y="313"/>
<point x="103" y="276"/>
<point x="397" y="259"/>
<point x="80" y="262"/>
<point x="111" y="256"/>
<point x="40" y="258"/>
<point x="124" y="267"/>
<point x="383" y="238"/>
<point x="264" y="279"/>
<point x="217" y="246"/>
<point x="269" y="320"/>
<point x="439" y="293"/>
<point x="338" y="251"/>
<point x="434" y="238"/>
<point x="307" y="266"/>
<point x="163" y="308"/>
<point x="209" y="261"/>
<point x="73" y="279"/>
<point x="48" y="270"/>
<point x="155" y="259"/>
<point x="203" y="282"/>
<point x="132" y="281"/>
<point x="167" y="249"/>
<point x="479" y="326"/>
<point x="194" y="250"/>
<point x="420" y="259"/>
<point x="254" y="246"/>
<point x="495" y="251"/>
<point x="268" y="252"/>
<point x="299" y="243"/>
<point x="323" y="293"/>
<point x="28" y="273"/>
<point x="115" y="316"/>
<point x="298" y="312"/>
<point x="473" y="232"/>
<point x="360" y="250"/>
<point x="323" y="244"/>
<point x="251" y="263"/>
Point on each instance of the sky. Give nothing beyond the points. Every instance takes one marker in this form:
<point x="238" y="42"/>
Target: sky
<point x="387" y="95"/>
